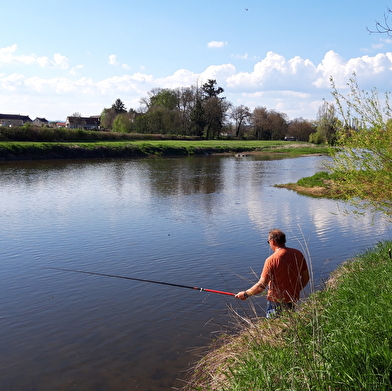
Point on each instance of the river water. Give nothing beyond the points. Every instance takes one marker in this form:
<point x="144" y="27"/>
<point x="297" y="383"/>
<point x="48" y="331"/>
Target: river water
<point x="198" y="221"/>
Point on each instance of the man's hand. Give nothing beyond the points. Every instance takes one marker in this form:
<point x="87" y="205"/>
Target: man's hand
<point x="242" y="295"/>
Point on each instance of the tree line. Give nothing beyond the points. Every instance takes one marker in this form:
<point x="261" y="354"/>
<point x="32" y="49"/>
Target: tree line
<point x="205" y="112"/>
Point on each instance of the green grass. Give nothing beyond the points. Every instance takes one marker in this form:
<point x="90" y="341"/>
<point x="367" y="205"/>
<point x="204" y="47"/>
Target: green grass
<point x="341" y="339"/>
<point x="128" y="148"/>
<point x="317" y="180"/>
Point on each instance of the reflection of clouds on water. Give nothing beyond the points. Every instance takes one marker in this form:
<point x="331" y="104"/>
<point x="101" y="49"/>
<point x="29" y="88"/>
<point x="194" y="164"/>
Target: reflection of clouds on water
<point x="320" y="227"/>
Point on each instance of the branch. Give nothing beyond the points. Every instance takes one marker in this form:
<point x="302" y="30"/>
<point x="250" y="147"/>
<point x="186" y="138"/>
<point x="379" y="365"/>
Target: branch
<point x="382" y="28"/>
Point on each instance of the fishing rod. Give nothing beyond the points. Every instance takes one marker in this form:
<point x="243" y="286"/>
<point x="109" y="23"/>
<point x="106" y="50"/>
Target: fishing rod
<point x="142" y="280"/>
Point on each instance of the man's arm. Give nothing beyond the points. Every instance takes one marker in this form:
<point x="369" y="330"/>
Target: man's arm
<point x="254" y="290"/>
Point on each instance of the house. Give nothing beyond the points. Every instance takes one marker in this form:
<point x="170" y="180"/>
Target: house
<point x="14" y="120"/>
<point x="60" y="124"/>
<point x="40" y="121"/>
<point x="88" y="123"/>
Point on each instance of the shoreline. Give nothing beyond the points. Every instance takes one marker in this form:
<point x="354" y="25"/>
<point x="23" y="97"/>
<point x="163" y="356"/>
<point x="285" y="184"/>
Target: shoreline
<point x="22" y="150"/>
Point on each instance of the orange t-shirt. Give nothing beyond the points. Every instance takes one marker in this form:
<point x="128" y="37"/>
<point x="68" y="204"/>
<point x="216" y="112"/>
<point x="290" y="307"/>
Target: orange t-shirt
<point x="282" y="271"/>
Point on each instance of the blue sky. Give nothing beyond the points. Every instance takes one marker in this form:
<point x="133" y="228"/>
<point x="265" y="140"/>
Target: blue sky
<point x="58" y="57"/>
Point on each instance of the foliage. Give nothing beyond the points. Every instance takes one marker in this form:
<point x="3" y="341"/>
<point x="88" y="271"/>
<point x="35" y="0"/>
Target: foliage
<point x="165" y="98"/>
<point x="327" y="125"/>
<point x="122" y="123"/>
<point x="317" y="138"/>
<point x="363" y="159"/>
<point x="198" y="122"/>
<point x="119" y="107"/>
<point x="107" y="118"/>
<point x="209" y="90"/>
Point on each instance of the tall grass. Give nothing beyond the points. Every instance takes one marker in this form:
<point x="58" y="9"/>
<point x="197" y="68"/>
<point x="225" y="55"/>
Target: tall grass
<point x="340" y="339"/>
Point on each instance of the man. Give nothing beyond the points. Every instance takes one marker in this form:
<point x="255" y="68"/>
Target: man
<point x="286" y="273"/>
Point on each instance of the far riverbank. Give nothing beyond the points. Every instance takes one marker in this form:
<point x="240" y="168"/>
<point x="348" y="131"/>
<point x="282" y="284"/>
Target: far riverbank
<point x="28" y="150"/>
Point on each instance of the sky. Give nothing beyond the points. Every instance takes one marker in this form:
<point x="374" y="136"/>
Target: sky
<point x="59" y="57"/>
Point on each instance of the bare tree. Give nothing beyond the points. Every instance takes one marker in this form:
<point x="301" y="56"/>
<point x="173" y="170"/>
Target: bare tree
<point x="301" y="129"/>
<point x="268" y="124"/>
<point x="259" y="121"/>
<point x="240" y="115"/>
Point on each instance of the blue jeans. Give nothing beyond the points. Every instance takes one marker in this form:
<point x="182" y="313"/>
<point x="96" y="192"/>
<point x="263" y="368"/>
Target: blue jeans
<point x="275" y="309"/>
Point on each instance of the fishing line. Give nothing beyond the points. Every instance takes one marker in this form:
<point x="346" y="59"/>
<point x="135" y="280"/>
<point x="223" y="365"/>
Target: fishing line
<point x="142" y="280"/>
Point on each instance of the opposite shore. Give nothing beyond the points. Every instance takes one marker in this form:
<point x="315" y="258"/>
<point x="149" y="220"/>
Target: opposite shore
<point x="33" y="150"/>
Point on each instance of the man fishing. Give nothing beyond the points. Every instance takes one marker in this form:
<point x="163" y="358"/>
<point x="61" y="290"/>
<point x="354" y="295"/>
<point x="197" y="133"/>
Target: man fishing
<point x="285" y="272"/>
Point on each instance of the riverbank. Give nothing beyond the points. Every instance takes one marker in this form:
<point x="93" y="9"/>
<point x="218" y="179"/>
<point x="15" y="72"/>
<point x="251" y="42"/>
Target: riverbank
<point x="321" y="184"/>
<point x="339" y="339"/>
<point x="27" y="150"/>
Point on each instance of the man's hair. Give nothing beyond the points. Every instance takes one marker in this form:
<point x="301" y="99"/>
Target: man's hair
<point x="277" y="236"/>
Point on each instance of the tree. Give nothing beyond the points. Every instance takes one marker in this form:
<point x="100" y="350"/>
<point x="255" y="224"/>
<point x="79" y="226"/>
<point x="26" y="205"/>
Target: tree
<point x="198" y="121"/>
<point x="362" y="163"/>
<point x="301" y="129"/>
<point x="214" y="114"/>
<point x="214" y="109"/>
<point x="122" y="123"/>
<point x="259" y="121"/>
<point x="166" y="98"/>
<point x="327" y="122"/>
<point x="210" y="91"/>
<point x="240" y="115"/>
<point x="268" y="124"/>
<point x="107" y="118"/>
<point x="278" y="123"/>
<point x="119" y="107"/>
<point x="186" y="103"/>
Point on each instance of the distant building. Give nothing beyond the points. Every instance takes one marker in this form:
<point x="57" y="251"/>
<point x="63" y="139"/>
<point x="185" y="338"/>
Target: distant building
<point x="14" y="120"/>
<point x="60" y="124"/>
<point x="88" y="123"/>
<point x="40" y="121"/>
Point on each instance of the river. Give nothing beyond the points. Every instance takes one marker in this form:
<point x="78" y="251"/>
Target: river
<point x="195" y="221"/>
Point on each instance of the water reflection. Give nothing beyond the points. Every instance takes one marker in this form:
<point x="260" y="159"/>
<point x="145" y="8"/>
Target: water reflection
<point x="194" y="221"/>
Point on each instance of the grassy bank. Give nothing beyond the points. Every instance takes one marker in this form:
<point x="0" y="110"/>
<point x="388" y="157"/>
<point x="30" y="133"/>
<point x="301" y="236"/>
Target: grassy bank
<point x="321" y="184"/>
<point x="16" y="150"/>
<point x="340" y="339"/>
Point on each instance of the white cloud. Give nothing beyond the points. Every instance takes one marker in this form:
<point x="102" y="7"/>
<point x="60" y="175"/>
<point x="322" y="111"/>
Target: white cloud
<point x="218" y="72"/>
<point x="274" y="72"/>
<point x="113" y="59"/>
<point x="60" y="61"/>
<point x="294" y="85"/>
<point x="74" y="70"/>
<point x="180" y="78"/>
<point x="8" y="56"/>
<point x="239" y="56"/>
<point x="12" y="83"/>
<point x="216" y="44"/>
